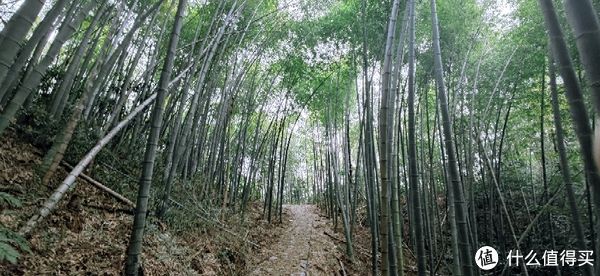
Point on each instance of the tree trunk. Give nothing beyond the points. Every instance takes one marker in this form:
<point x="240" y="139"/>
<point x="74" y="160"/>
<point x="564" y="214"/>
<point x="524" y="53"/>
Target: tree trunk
<point x="17" y="27"/>
<point x="134" y="248"/>
<point x="69" y="182"/>
<point x="31" y="82"/>
<point x="368" y="148"/>
<point x="573" y="92"/>
<point x="583" y="19"/>
<point x="453" y="173"/>
<point x="564" y="166"/>
<point x="55" y="154"/>
<point x="388" y="265"/>
<point x="38" y="34"/>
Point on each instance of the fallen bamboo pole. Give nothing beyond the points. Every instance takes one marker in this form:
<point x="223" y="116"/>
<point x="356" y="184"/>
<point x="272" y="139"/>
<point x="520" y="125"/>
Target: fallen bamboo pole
<point x="69" y="182"/>
<point x="101" y="187"/>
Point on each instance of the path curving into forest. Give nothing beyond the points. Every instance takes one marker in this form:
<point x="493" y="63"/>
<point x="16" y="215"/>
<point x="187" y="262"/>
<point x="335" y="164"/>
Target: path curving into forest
<point x="303" y="249"/>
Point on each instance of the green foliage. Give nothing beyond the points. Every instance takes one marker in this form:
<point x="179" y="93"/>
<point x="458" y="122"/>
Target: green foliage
<point x="11" y="242"/>
<point x="199" y="17"/>
<point x="7" y="252"/>
<point x="36" y="126"/>
<point x="9" y="201"/>
<point x="321" y="87"/>
<point x="344" y="23"/>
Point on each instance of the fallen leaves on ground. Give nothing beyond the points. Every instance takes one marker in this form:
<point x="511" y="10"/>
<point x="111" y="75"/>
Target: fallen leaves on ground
<point x="79" y="240"/>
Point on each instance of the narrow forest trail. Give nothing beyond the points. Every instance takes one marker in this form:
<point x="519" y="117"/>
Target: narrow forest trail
<point x="303" y="249"/>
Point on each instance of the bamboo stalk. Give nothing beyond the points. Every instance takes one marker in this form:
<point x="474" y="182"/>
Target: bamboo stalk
<point x="69" y="182"/>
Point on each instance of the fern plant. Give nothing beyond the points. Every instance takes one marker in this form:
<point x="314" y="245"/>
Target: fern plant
<point x="9" y="201"/>
<point x="11" y="242"/>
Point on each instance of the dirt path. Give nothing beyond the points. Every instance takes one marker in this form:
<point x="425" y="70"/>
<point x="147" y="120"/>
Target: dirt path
<point x="304" y="249"/>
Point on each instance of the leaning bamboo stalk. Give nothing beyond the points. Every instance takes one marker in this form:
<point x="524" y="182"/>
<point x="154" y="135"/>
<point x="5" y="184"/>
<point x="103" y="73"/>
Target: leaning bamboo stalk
<point x="535" y="219"/>
<point x="502" y="201"/>
<point x="59" y="146"/>
<point x="134" y="248"/>
<point x="69" y="182"/>
<point x="31" y="81"/>
<point x="16" y="29"/>
<point x="13" y="62"/>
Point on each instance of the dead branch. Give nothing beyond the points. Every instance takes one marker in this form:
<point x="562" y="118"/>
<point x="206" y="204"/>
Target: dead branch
<point x="219" y="225"/>
<point x="360" y="249"/>
<point x="100" y="186"/>
<point x="342" y="266"/>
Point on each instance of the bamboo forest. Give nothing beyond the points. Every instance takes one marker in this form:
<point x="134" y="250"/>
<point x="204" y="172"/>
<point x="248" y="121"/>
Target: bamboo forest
<point x="300" y="137"/>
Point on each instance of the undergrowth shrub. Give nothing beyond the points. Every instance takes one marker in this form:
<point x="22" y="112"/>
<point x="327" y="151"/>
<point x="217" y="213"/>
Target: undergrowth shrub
<point x="11" y="242"/>
<point x="33" y="126"/>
